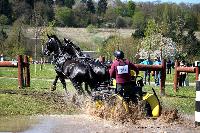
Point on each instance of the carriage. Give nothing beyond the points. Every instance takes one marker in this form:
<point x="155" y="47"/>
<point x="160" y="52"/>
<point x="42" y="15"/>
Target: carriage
<point x="78" y="68"/>
<point x="106" y="95"/>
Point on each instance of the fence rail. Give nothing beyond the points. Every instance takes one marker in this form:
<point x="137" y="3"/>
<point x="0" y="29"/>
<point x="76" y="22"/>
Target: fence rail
<point x="23" y="70"/>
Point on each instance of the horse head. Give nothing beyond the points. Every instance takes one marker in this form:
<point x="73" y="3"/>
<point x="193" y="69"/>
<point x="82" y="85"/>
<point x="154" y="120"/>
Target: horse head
<point x="72" y="49"/>
<point x="52" y="45"/>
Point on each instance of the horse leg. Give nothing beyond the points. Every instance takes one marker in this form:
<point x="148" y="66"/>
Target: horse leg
<point x="62" y="80"/>
<point x="87" y="88"/>
<point x="77" y="86"/>
<point x="53" y="86"/>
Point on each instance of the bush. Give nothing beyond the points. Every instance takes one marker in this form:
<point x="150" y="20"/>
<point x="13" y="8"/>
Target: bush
<point x="3" y="20"/>
<point x="91" y="28"/>
<point x="121" y="22"/>
<point x="63" y="16"/>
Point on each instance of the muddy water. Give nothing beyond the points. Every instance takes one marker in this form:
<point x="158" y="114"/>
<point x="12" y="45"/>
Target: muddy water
<point x="17" y="123"/>
<point x="56" y="124"/>
<point x="86" y="124"/>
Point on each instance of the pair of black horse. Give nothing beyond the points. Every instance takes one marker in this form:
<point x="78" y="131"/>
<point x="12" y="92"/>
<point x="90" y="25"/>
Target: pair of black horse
<point x="72" y="64"/>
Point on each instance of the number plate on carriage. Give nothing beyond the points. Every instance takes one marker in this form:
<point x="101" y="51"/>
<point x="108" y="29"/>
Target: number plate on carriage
<point x="122" y="69"/>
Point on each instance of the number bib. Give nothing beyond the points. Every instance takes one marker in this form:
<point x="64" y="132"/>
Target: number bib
<point x="122" y="69"/>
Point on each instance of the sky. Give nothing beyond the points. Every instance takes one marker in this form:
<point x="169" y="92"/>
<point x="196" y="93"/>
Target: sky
<point x="174" y="1"/>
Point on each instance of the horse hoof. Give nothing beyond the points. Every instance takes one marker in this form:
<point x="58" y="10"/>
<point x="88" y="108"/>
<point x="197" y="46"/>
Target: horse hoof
<point x="67" y="93"/>
<point x="80" y="92"/>
<point x="53" y="88"/>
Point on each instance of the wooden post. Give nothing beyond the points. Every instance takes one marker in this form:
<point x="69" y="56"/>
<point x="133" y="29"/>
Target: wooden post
<point x="20" y="72"/>
<point x="197" y="73"/>
<point x="175" y="76"/>
<point x="27" y="71"/>
<point x="163" y="78"/>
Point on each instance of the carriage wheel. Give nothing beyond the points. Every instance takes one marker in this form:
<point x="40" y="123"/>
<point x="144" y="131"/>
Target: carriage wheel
<point x="99" y="104"/>
<point x="118" y="107"/>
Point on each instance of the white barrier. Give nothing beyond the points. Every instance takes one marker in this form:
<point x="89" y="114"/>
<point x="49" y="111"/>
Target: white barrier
<point x="197" y="104"/>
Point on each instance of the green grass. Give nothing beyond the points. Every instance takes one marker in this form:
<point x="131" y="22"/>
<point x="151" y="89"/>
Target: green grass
<point x="183" y="100"/>
<point x="13" y="105"/>
<point x="8" y="72"/>
<point x="36" y="99"/>
<point x="47" y="72"/>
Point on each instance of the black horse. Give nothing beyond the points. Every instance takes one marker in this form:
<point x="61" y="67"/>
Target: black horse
<point x="100" y="70"/>
<point x="56" y="51"/>
<point x="78" y="72"/>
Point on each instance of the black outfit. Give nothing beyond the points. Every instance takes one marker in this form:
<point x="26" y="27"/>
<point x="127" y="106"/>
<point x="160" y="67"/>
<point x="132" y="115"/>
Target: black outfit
<point x="128" y="90"/>
<point x="169" y="66"/>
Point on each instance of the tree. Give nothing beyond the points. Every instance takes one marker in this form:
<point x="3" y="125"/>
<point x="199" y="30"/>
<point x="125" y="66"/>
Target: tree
<point x="65" y="3"/>
<point x="130" y="8"/>
<point x="79" y="11"/>
<point x="121" y="22"/>
<point x="69" y="3"/>
<point x="139" y="23"/>
<point x="188" y="48"/>
<point x="179" y="29"/>
<point x="152" y="39"/>
<point x="22" y="10"/>
<point x="6" y="9"/>
<point x="102" y="7"/>
<point x="14" y="44"/>
<point x="127" y="45"/>
<point x="191" y="21"/>
<point x="44" y="12"/>
<point x="63" y="16"/>
<point x="155" y="41"/>
<point x="90" y="6"/>
<point x="3" y="37"/>
<point x="196" y="12"/>
<point x="111" y="15"/>
<point x="121" y="9"/>
<point x="3" y="20"/>
<point x="138" y="19"/>
<point x="83" y="1"/>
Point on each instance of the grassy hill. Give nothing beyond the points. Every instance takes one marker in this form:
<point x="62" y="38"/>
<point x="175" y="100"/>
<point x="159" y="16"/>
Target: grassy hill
<point x="83" y="37"/>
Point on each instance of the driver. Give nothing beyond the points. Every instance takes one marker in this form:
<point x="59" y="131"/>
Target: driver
<point x="121" y="71"/>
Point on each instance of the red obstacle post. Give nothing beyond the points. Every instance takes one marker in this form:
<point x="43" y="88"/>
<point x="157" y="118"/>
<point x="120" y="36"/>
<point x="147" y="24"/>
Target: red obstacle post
<point x="20" y="66"/>
<point x="27" y="71"/>
<point x="163" y="78"/>
<point x="197" y="72"/>
<point x="175" y="76"/>
<point x="20" y="71"/>
<point x="183" y="69"/>
<point x="161" y="68"/>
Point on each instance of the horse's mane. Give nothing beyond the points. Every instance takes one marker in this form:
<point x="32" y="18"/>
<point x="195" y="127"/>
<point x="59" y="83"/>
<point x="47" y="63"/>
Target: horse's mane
<point x="56" y="38"/>
<point x="73" y="45"/>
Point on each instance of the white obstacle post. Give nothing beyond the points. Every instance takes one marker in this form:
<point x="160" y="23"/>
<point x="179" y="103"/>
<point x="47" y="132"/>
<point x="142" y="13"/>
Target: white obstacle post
<point x="197" y="104"/>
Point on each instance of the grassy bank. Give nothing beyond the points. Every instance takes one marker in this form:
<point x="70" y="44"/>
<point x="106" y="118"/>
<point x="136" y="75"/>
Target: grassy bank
<point x="183" y="100"/>
<point x="38" y="99"/>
